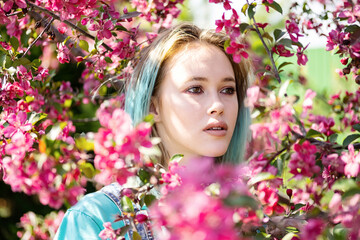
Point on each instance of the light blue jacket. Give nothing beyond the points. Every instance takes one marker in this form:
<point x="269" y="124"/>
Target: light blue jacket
<point x="85" y="220"/>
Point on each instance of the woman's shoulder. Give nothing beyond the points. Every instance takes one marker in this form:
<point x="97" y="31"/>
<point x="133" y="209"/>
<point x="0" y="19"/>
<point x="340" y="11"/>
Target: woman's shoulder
<point x="86" y="218"/>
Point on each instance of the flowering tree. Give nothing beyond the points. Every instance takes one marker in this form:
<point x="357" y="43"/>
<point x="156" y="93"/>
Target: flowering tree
<point x="301" y="177"/>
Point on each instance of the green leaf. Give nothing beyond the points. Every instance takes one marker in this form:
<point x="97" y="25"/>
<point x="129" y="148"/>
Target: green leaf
<point x="267" y="35"/>
<point x="120" y="28"/>
<point x="284" y="64"/>
<point x="240" y="201"/>
<point x="274" y="6"/>
<point x="352" y="28"/>
<point x="289" y="236"/>
<point x="144" y="176"/>
<point x="36" y="63"/>
<point x="108" y="60"/>
<point x="66" y="39"/>
<point x="298" y="206"/>
<point x="149" y="199"/>
<point x="263" y="176"/>
<point x="21" y="61"/>
<point x="84" y="45"/>
<point x="286" y="42"/>
<point x="35" y="117"/>
<point x="126" y="204"/>
<point x="356" y="127"/>
<point x="149" y="118"/>
<point x="344" y="184"/>
<point x="124" y="230"/>
<point x="349" y="139"/>
<point x="340" y="232"/>
<point x="83" y="144"/>
<point x="87" y="169"/>
<point x="251" y="10"/>
<point x="136" y="236"/>
<point x="244" y="8"/>
<point x="98" y="43"/>
<point x="227" y="44"/>
<point x="8" y="62"/>
<point x="333" y="138"/>
<point x="176" y="157"/>
<point x="313" y="133"/>
<point x="278" y="34"/>
<point x="351" y="192"/>
<point x="243" y="27"/>
<point x="14" y="43"/>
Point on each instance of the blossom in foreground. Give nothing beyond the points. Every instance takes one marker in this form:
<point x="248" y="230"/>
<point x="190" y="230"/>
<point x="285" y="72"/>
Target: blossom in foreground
<point x="302" y="162"/>
<point x="352" y="162"/>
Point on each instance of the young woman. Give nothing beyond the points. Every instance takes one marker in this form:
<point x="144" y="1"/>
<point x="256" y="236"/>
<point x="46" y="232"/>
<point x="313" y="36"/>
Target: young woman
<point x="196" y="93"/>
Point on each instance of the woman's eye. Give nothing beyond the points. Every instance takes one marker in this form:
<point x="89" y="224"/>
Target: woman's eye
<point x="228" y="90"/>
<point x="194" y="90"/>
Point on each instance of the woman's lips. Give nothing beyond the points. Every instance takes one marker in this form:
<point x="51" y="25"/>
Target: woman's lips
<point x="218" y="129"/>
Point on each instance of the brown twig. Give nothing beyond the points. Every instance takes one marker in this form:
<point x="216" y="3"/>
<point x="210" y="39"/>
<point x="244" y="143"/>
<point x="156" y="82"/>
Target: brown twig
<point x="61" y="37"/>
<point x="40" y="36"/>
<point x="14" y="13"/>
<point x="67" y="23"/>
<point x="276" y="72"/>
<point x="84" y="120"/>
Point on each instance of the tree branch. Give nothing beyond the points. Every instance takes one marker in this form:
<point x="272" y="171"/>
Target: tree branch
<point x="40" y="35"/>
<point x="76" y="51"/>
<point x="276" y="72"/>
<point x="67" y="23"/>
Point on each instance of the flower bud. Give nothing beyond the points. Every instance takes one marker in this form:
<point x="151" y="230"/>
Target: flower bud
<point x="289" y="192"/>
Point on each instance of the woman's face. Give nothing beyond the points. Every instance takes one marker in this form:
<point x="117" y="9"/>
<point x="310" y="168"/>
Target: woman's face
<point x="196" y="107"/>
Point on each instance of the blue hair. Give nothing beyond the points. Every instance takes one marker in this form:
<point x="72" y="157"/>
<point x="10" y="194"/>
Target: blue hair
<point x="148" y="72"/>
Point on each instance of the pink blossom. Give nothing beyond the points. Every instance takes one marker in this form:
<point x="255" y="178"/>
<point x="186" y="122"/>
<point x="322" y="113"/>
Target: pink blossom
<point x="103" y="27"/>
<point x="237" y="50"/>
<point x="63" y="53"/>
<point x="171" y="178"/>
<point x="9" y="4"/>
<point x="62" y="28"/>
<point x="352" y="16"/>
<point x="3" y="19"/>
<point x="17" y="123"/>
<point x="293" y="30"/>
<point x="191" y="214"/>
<point x="352" y="162"/>
<point x="302" y="162"/>
<point x="20" y="145"/>
<point x="301" y="57"/>
<point x="312" y="229"/>
<point x="252" y="96"/>
<point x="226" y="3"/>
<point x="322" y="124"/>
<point x="308" y="101"/>
<point x="335" y="38"/>
<point x="268" y="197"/>
<point x="108" y="232"/>
<point x="282" y="51"/>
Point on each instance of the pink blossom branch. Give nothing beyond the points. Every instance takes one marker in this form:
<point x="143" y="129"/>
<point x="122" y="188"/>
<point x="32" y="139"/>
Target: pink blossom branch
<point x="40" y="36"/>
<point x="67" y="23"/>
<point x="276" y="72"/>
<point x="76" y="51"/>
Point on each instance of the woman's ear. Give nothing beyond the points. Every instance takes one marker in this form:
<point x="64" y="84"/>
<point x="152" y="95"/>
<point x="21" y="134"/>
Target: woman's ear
<point x="155" y="108"/>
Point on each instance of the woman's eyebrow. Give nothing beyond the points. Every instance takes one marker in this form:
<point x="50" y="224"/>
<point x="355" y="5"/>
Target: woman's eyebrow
<point x="204" y="79"/>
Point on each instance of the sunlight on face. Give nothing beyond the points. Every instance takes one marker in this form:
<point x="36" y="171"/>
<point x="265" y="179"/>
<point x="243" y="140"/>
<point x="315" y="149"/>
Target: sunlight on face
<point x="196" y="106"/>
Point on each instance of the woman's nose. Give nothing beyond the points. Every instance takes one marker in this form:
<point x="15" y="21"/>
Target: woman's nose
<point x="216" y="106"/>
